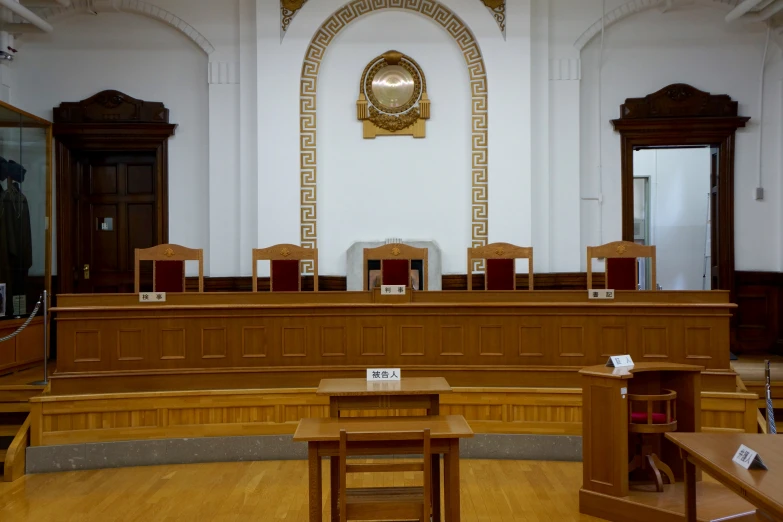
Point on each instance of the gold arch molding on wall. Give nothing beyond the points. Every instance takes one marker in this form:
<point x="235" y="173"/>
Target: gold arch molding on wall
<point x="477" y="73"/>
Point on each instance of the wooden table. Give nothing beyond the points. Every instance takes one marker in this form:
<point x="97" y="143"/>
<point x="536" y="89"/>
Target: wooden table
<point x="407" y="393"/>
<point x="713" y="453"/>
<point x="323" y="440"/>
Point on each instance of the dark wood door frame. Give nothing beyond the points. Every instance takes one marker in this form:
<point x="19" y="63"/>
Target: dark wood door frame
<point x="109" y="121"/>
<point x="683" y="115"/>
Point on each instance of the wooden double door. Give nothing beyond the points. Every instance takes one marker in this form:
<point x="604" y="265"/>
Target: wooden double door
<point x="115" y="202"/>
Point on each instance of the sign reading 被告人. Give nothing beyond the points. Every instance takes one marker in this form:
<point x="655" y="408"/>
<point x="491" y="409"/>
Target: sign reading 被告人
<point x="383" y="374"/>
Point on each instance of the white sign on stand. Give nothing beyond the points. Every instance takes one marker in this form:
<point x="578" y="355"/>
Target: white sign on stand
<point x="620" y="361"/>
<point x="600" y="294"/>
<point x="152" y="297"/>
<point x="393" y="290"/>
<point x="383" y="374"/>
<point x="747" y="458"/>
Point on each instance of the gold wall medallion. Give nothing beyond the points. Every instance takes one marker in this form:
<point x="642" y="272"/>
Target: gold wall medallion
<point x="393" y="97"/>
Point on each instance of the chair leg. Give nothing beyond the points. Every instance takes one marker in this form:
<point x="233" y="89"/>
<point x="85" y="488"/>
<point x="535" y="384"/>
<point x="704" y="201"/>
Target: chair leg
<point x="661" y="465"/>
<point x="656" y="474"/>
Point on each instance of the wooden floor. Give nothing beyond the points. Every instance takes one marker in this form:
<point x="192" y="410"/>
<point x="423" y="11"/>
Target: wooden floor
<point x="492" y="491"/>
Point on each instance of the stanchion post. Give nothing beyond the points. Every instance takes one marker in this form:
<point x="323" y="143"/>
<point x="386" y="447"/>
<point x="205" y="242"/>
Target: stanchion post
<point x="45" y="303"/>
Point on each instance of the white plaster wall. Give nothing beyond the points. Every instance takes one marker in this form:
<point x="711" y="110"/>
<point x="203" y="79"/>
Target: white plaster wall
<point x="133" y="54"/>
<point x="394" y="186"/>
<point x="690" y="44"/>
<point x="679" y="184"/>
<point x="508" y="63"/>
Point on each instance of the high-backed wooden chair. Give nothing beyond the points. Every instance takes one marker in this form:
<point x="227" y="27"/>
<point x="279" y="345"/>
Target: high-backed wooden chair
<point x="395" y="259"/>
<point x="500" y="265"/>
<point x="168" y="266"/>
<point x="285" y="266"/>
<point x="621" y="257"/>
<point x="386" y="503"/>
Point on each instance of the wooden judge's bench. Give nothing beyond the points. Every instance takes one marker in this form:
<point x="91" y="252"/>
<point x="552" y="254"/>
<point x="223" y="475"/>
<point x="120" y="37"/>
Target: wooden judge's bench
<point x="240" y="340"/>
<point x="206" y="364"/>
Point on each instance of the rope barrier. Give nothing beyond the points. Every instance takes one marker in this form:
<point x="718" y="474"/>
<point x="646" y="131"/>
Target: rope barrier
<point x="26" y="323"/>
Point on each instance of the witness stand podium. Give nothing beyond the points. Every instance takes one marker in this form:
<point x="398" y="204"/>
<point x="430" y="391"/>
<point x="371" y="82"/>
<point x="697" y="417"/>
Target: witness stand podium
<point x="613" y="399"/>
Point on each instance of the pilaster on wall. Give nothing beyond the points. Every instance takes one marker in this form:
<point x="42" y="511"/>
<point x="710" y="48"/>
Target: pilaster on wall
<point x="540" y="112"/>
<point x="224" y="164"/>
<point x="248" y="130"/>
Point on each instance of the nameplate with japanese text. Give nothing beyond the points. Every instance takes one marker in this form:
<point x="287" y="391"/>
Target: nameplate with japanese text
<point x="383" y="374"/>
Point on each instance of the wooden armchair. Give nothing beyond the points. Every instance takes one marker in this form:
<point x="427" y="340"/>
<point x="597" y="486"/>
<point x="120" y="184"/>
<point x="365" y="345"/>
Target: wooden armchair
<point x="621" y="264"/>
<point x="500" y="272"/>
<point x="285" y="266"/>
<point x="658" y="415"/>
<point x="386" y="503"/>
<point x="395" y="264"/>
<point x="168" y="267"/>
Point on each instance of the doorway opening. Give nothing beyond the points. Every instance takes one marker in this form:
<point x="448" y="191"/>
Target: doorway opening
<point x="671" y="210"/>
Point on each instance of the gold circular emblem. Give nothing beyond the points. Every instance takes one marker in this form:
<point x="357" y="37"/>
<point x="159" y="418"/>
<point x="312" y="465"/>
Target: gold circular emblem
<point x="393" y="86"/>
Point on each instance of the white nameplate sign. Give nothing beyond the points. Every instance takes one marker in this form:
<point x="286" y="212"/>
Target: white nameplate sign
<point x="600" y="294"/>
<point x="393" y="289"/>
<point x="747" y="458"/>
<point x="383" y="374"/>
<point x="620" y="361"/>
<point x="152" y="297"/>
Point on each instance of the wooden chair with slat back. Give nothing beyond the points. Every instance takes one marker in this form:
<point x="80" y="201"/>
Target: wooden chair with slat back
<point x="621" y="271"/>
<point x="657" y="415"/>
<point x="386" y="503"/>
<point x="285" y="261"/>
<point x="500" y="265"/>
<point x="396" y="261"/>
<point x="168" y="267"/>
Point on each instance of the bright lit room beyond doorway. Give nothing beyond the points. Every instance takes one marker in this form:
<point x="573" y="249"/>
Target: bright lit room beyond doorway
<point x="671" y="191"/>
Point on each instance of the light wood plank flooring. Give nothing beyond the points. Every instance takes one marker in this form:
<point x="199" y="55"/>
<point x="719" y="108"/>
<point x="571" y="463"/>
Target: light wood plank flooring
<point x="492" y="491"/>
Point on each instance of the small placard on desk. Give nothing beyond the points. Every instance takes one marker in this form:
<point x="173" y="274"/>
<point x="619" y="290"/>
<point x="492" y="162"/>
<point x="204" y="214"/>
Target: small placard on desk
<point x="383" y="374"/>
<point x="620" y="361"/>
<point x="152" y="297"/>
<point x="392" y="289"/>
<point x="748" y="459"/>
<point x="600" y="294"/>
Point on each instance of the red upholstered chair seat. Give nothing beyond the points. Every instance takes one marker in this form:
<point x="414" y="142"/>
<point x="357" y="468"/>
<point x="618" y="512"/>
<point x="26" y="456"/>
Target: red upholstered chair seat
<point x="169" y="276"/>
<point x="621" y="273"/>
<point x="285" y="275"/>
<point x="395" y="272"/>
<point x="500" y="274"/>
<point x="639" y="417"/>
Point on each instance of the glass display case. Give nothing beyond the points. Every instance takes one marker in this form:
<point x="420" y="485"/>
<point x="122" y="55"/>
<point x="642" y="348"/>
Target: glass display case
<point x="25" y="237"/>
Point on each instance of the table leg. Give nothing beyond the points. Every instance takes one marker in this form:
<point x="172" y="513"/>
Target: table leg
<point x="314" y="470"/>
<point x="434" y="408"/>
<point x="690" y="490"/>
<point x="334" y="480"/>
<point x="451" y="482"/>
<point x="436" y="488"/>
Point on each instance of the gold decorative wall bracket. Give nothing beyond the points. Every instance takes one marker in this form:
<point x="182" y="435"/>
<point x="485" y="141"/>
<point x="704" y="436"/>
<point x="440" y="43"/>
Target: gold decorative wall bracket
<point x="393" y="98"/>
<point x="498" y="10"/>
<point x="288" y="10"/>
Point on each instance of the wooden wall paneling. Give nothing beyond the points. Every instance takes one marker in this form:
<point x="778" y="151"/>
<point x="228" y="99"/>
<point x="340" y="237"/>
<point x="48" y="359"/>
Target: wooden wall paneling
<point x="106" y="417"/>
<point x="24" y="349"/>
<point x="758" y="327"/>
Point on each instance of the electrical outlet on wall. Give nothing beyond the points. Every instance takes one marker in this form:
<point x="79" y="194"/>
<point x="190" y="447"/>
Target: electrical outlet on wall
<point x="759" y="193"/>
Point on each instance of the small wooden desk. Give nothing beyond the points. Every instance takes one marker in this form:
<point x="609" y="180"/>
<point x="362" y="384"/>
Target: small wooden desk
<point x="407" y="393"/>
<point x="323" y="440"/>
<point x="713" y="453"/>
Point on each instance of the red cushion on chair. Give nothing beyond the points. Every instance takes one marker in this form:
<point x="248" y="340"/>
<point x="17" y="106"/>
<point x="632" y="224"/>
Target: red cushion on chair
<point x="395" y="272"/>
<point x="169" y="276"/>
<point x="621" y="273"/>
<point x="639" y="417"/>
<point x="500" y="274"/>
<point x="285" y="275"/>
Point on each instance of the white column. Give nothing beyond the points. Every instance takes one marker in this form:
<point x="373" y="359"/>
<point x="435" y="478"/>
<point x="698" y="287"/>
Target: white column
<point x="540" y="136"/>
<point x="223" y="249"/>
<point x="248" y="130"/>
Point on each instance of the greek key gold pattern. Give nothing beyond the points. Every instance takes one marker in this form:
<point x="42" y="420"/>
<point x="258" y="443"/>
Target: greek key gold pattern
<point x="477" y="72"/>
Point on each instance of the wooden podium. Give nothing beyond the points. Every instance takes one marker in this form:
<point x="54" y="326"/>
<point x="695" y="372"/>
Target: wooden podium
<point x="605" y="429"/>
